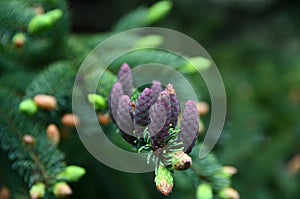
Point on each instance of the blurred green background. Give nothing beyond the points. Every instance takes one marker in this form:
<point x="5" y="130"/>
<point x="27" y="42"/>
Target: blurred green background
<point x="256" y="46"/>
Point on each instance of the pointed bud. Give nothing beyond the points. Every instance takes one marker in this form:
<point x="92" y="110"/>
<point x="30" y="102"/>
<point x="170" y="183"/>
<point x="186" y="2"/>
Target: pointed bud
<point x="39" y="10"/>
<point x="62" y="189"/>
<point x="4" y="193"/>
<point x="53" y="133"/>
<point x="103" y="119"/>
<point x="150" y="41"/>
<point x="125" y="78"/>
<point x="204" y="191"/>
<point x="28" y="140"/>
<point x="124" y="120"/>
<point x="158" y="11"/>
<point x="19" y="40"/>
<point x="229" y="170"/>
<point x="142" y="110"/>
<point x="175" y="106"/>
<point x="202" y="108"/>
<point x="181" y="161"/>
<point x="195" y="64"/>
<point x="71" y="173"/>
<point x="44" y="22"/>
<point x="28" y="107"/>
<point x="156" y="89"/>
<point x="46" y="102"/>
<point x="189" y="126"/>
<point x="164" y="181"/>
<point x="294" y="165"/>
<point x="229" y="193"/>
<point x="70" y="120"/>
<point x="37" y="191"/>
<point x="113" y="101"/>
<point x="160" y="116"/>
<point x="97" y="101"/>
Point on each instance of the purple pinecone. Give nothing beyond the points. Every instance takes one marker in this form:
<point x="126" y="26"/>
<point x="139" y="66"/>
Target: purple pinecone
<point x="156" y="88"/>
<point x="189" y="126"/>
<point x="175" y="106"/>
<point x="125" y="78"/>
<point x="113" y="101"/>
<point x="124" y="120"/>
<point x="142" y="109"/>
<point x="160" y="116"/>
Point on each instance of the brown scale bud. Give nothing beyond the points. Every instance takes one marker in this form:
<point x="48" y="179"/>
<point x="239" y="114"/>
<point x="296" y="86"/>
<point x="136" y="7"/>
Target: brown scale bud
<point x="53" y="133"/>
<point x="28" y="140"/>
<point x="62" y="189"/>
<point x="70" y="120"/>
<point x="294" y="165"/>
<point x="39" y="10"/>
<point x="181" y="161"/>
<point x="202" y="108"/>
<point x="4" y="193"/>
<point x="103" y="119"/>
<point x="46" y="102"/>
<point x="230" y="170"/>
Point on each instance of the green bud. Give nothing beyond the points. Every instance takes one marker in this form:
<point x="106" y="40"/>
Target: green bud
<point x="19" y="40"/>
<point x="37" y="191"/>
<point x="55" y="15"/>
<point x="195" y="65"/>
<point x="28" y="107"/>
<point x="204" y="191"/>
<point x="98" y="101"/>
<point x="71" y="173"/>
<point x="43" y="22"/>
<point x="62" y="189"/>
<point x="158" y="11"/>
<point x="164" y="180"/>
<point x="229" y="193"/>
<point x="150" y="41"/>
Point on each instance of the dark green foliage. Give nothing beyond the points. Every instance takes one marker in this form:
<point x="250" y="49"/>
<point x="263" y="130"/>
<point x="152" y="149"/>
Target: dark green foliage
<point x="39" y="162"/>
<point x="47" y="63"/>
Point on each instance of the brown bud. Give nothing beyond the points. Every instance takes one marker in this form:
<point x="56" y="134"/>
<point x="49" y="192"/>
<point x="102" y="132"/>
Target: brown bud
<point x="70" y="120"/>
<point x="46" y="102"/>
<point x="62" y="189"/>
<point x="202" y="108"/>
<point x="230" y="170"/>
<point x="164" y="187"/>
<point x="53" y="133"/>
<point x="28" y="140"/>
<point x="181" y="161"/>
<point x="39" y="10"/>
<point x="4" y="193"/>
<point x="231" y="193"/>
<point x="294" y="165"/>
<point x="104" y="119"/>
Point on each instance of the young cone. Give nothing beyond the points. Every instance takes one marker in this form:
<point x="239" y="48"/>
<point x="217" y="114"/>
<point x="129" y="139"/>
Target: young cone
<point x="142" y="109"/>
<point x="160" y="117"/>
<point x="189" y="126"/>
<point x="113" y="101"/>
<point x="125" y="78"/>
<point x="175" y="106"/>
<point x="156" y="89"/>
<point x="124" y="120"/>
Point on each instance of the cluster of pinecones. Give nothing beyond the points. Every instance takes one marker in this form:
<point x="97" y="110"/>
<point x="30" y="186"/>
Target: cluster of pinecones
<point x="156" y="111"/>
